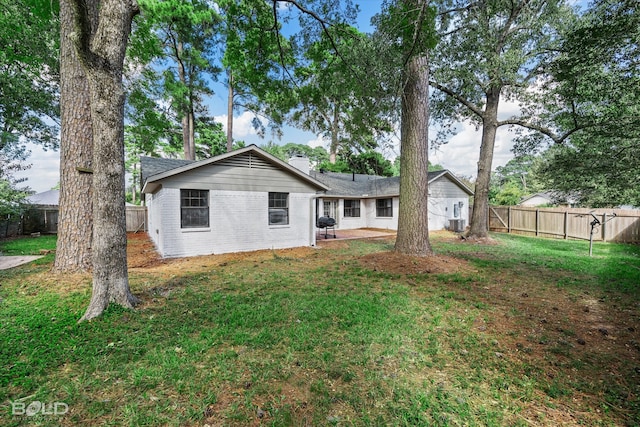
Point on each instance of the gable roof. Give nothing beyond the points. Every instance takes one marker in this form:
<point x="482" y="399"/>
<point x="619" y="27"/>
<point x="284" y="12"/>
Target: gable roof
<point x="155" y="169"/>
<point x="543" y="195"/>
<point x="47" y="198"/>
<point x="359" y="185"/>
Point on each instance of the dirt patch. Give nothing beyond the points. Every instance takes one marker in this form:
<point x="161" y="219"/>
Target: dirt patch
<point x="142" y="256"/>
<point x="141" y="253"/>
<point x="392" y="262"/>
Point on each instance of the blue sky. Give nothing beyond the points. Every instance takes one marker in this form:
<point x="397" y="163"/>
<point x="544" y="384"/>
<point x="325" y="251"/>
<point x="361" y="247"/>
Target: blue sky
<point x="460" y="154"/>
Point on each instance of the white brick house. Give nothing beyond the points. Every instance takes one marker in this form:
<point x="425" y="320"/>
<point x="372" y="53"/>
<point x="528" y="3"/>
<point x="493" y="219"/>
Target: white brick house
<point x="367" y="201"/>
<point x="240" y="201"/>
<point x="249" y="200"/>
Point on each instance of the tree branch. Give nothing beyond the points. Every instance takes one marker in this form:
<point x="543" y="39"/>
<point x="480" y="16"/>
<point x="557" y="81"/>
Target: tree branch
<point x="460" y="9"/>
<point x="474" y="108"/>
<point x="558" y="139"/>
<point x="323" y="23"/>
<point x="280" y="48"/>
<point x="416" y="32"/>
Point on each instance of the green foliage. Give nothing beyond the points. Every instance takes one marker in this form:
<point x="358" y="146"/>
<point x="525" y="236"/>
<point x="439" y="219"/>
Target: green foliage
<point x="337" y="97"/>
<point x="369" y="163"/>
<point x="596" y="82"/>
<point x="29" y="75"/>
<point x="256" y="57"/>
<point x="174" y="50"/>
<point x="210" y="138"/>
<point x="515" y="180"/>
<point x="12" y="199"/>
<point x="284" y="152"/>
<point x="509" y="194"/>
<point x="412" y="25"/>
<point x="498" y="46"/>
<point x="595" y="172"/>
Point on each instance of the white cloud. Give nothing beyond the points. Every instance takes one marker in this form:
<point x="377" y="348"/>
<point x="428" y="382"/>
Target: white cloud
<point x="44" y="173"/>
<point x="318" y="141"/>
<point x="461" y="153"/>
<point x="242" y="124"/>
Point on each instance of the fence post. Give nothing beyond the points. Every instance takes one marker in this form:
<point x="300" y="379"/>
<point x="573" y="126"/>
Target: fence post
<point x="488" y="217"/>
<point x="509" y="220"/>
<point x="566" y="224"/>
<point x="604" y="227"/>
<point x="537" y="220"/>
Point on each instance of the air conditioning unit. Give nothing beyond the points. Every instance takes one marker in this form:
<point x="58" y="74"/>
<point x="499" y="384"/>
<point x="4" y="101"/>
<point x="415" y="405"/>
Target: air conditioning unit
<point x="457" y="225"/>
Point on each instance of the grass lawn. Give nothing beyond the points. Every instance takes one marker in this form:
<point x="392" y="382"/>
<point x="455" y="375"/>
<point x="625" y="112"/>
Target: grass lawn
<point x="522" y="332"/>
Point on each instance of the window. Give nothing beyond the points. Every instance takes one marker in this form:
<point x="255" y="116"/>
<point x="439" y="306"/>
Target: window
<point x="384" y="207"/>
<point x="278" y="208"/>
<point x="352" y="208"/>
<point x="194" y="208"/>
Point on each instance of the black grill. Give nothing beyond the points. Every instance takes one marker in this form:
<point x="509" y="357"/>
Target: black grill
<point x="327" y="223"/>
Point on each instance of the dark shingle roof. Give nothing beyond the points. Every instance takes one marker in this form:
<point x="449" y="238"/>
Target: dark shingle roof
<point x="150" y="166"/>
<point x="155" y="169"/>
<point x="47" y="198"/>
<point x="340" y="184"/>
<point x="358" y="185"/>
<point x="347" y="184"/>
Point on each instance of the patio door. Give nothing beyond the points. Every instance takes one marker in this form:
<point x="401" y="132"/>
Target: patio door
<point x="330" y="209"/>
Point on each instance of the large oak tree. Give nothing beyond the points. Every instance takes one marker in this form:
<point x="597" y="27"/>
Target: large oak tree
<point x="489" y="52"/>
<point x="406" y="32"/>
<point x="75" y="220"/>
<point x="100" y="46"/>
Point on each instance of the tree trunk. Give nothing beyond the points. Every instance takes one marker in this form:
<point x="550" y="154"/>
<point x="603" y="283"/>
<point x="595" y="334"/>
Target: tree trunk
<point x="134" y="187"/>
<point x="75" y="221"/>
<point x="192" y="131"/>
<point x="102" y="59"/>
<point x="479" y="218"/>
<point x="335" y="132"/>
<point x="413" y="217"/>
<point x="187" y="139"/>
<point x="230" y="113"/>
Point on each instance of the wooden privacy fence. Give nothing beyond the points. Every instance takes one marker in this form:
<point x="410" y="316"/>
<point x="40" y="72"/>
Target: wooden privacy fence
<point x="45" y="220"/>
<point x="136" y="218"/>
<point x="616" y="225"/>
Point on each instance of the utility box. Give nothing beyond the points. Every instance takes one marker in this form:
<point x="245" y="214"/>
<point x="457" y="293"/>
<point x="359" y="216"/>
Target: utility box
<point x="457" y="225"/>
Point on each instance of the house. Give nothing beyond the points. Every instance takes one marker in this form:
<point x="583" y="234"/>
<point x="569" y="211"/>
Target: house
<point x="248" y="200"/>
<point x="239" y="201"/>
<point x="44" y="215"/>
<point x="46" y="198"/>
<point x="550" y="198"/>
<point x="538" y="199"/>
<point x="365" y="201"/>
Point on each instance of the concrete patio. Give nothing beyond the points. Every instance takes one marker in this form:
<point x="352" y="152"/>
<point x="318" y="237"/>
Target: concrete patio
<point x="7" y="262"/>
<point x="360" y="233"/>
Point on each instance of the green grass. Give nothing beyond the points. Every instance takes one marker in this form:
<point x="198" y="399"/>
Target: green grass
<point x="320" y="340"/>
<point x="27" y="245"/>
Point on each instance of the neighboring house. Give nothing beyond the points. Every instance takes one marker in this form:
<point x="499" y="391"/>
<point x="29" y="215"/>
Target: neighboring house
<point x="239" y="201"/>
<point x="47" y="198"/>
<point x="44" y="216"/>
<point x="45" y="219"/>
<point x="538" y="199"/>
<point x="549" y="198"/>
<point x="365" y="201"/>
